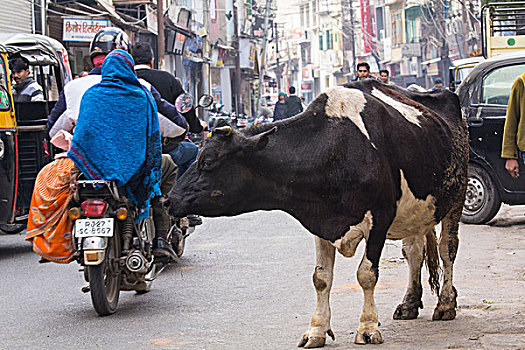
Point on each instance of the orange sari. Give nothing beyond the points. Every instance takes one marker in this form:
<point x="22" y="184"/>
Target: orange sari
<point x="48" y="226"/>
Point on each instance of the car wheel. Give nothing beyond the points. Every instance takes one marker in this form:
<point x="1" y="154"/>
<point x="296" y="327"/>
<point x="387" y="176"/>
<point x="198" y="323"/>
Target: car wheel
<point x="482" y="200"/>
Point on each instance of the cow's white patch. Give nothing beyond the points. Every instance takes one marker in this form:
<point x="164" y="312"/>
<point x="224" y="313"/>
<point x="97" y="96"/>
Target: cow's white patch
<point x="416" y="88"/>
<point x="413" y="216"/>
<point x="410" y="113"/>
<point x="348" y="244"/>
<point x="347" y="103"/>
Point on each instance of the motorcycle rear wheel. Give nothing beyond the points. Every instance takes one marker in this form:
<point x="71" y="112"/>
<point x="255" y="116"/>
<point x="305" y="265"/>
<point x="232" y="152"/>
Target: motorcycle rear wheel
<point x="104" y="279"/>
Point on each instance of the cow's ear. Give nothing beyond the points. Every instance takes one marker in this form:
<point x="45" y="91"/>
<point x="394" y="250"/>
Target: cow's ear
<point x="259" y="141"/>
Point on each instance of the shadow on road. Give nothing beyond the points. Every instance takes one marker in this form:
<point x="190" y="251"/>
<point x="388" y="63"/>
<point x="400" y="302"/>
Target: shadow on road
<point x="12" y="245"/>
<point x="508" y="221"/>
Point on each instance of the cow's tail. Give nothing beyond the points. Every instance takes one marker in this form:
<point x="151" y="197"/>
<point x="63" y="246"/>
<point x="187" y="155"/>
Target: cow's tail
<point x="432" y="261"/>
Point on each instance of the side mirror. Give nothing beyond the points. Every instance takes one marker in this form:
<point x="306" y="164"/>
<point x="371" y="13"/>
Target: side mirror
<point x="205" y="101"/>
<point x="184" y="102"/>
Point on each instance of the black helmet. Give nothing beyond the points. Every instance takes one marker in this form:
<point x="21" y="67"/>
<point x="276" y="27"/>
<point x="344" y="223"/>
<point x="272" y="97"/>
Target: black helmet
<point x="107" y="40"/>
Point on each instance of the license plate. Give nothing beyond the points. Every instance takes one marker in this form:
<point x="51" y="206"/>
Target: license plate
<point x="94" y="227"/>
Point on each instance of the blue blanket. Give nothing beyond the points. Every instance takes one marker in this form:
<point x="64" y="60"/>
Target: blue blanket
<point x="117" y="134"/>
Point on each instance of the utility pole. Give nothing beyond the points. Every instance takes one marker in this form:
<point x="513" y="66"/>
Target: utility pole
<point x="445" y="60"/>
<point x="237" y="46"/>
<point x="263" y="53"/>
<point x="43" y="14"/>
<point x="160" y="36"/>
<point x="352" y="37"/>
<point x="277" y="56"/>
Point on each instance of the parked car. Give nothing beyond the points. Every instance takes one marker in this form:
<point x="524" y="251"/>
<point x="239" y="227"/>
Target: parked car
<point x="484" y="95"/>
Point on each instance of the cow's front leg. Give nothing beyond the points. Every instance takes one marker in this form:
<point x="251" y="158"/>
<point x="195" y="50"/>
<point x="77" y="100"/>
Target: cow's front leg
<point x="367" y="275"/>
<point x="315" y="337"/>
<point x="368" y="331"/>
<point x="413" y="251"/>
<point x="448" y="247"/>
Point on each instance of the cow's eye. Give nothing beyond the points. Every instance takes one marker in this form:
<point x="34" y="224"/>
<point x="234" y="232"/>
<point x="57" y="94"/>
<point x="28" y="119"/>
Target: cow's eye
<point x="206" y="164"/>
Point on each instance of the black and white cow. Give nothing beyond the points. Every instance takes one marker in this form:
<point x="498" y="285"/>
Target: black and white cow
<point x="364" y="161"/>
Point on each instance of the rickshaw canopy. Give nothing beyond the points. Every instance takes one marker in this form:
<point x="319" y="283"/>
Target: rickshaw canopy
<point x="39" y="50"/>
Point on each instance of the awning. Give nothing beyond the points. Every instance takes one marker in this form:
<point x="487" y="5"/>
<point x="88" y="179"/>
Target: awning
<point x="434" y="60"/>
<point x="224" y="47"/>
<point x="169" y="24"/>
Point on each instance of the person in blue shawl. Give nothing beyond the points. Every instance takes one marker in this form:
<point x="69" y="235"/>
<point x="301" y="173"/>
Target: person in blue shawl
<point x="117" y="138"/>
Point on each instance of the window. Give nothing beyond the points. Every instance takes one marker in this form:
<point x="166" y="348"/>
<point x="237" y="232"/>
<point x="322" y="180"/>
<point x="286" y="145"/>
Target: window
<point x="321" y="41"/>
<point x="497" y="84"/>
<point x="329" y="40"/>
<point x="307" y="16"/>
<point x="397" y="28"/>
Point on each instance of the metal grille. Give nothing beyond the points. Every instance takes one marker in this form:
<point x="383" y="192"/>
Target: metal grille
<point x="19" y="23"/>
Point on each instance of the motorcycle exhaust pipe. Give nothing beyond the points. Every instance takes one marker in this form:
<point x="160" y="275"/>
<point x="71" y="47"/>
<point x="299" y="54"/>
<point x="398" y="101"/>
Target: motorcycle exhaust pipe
<point x="135" y="262"/>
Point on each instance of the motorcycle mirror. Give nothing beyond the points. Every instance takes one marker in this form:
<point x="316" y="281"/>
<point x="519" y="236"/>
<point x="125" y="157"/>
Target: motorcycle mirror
<point x="184" y="102"/>
<point x="205" y="100"/>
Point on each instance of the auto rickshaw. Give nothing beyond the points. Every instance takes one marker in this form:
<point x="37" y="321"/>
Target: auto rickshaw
<point x="24" y="145"/>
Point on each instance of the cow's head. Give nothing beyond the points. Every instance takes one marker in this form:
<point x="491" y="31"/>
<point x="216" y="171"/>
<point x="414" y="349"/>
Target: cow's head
<point x="221" y="181"/>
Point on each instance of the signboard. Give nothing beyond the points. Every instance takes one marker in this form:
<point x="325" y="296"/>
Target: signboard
<point x="367" y="25"/>
<point x="217" y="96"/>
<point x="307" y="73"/>
<point x="178" y="46"/>
<point x="306" y="87"/>
<point x="82" y="29"/>
<point x="411" y="49"/>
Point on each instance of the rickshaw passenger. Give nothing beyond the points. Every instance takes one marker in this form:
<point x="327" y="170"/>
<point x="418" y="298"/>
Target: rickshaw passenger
<point x="26" y="88"/>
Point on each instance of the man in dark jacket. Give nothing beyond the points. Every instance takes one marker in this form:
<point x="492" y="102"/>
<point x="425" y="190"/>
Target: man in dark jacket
<point x="183" y="153"/>
<point x="293" y="103"/>
<point x="279" y="111"/>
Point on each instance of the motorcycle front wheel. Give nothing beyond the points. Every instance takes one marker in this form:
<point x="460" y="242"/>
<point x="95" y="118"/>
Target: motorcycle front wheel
<point x="104" y="279"/>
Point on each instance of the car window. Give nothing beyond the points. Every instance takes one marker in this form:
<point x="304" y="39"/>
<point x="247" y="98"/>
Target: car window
<point x="463" y="72"/>
<point x="4" y="97"/>
<point x="497" y="84"/>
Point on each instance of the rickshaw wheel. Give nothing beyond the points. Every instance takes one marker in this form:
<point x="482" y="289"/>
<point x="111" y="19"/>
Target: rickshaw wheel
<point x="12" y="228"/>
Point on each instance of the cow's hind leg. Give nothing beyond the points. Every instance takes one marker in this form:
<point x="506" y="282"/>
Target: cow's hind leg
<point x="448" y="247"/>
<point x="323" y="275"/>
<point x="413" y="251"/>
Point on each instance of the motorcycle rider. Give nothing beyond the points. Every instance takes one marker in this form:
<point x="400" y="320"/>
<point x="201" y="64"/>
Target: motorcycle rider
<point x="68" y="106"/>
<point x="182" y="152"/>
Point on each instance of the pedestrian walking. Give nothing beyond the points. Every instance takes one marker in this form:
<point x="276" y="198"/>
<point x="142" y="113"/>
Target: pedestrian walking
<point x="438" y="84"/>
<point x="513" y="145"/>
<point x="279" y="111"/>
<point x="384" y="76"/>
<point x="293" y="103"/>
<point x="363" y="71"/>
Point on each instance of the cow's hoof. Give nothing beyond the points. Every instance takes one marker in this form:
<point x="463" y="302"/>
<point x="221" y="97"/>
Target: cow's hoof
<point x="406" y="312"/>
<point x="311" y="342"/>
<point x="442" y="313"/>
<point x="314" y="341"/>
<point x="368" y="337"/>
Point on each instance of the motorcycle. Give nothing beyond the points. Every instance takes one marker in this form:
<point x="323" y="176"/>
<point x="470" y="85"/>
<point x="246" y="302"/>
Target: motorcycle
<point x="216" y="113"/>
<point x="116" y="249"/>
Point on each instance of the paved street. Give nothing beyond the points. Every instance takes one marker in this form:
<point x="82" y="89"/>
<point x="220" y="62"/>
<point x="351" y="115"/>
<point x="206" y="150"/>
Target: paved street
<point x="245" y="283"/>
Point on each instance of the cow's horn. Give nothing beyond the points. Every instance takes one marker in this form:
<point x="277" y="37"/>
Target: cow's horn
<point x="223" y="130"/>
